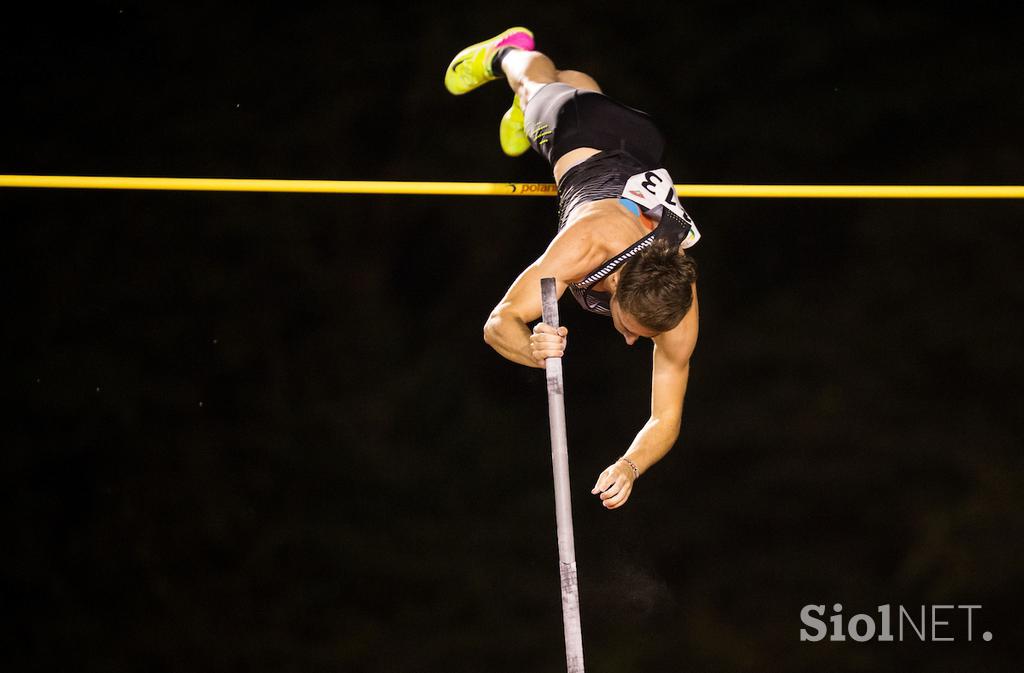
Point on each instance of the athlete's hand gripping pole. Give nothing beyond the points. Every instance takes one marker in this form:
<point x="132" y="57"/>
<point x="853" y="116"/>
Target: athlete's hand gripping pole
<point x="563" y="499"/>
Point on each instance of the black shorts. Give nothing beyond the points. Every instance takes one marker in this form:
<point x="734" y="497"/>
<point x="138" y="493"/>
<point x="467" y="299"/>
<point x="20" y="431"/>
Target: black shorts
<point x="560" y="118"/>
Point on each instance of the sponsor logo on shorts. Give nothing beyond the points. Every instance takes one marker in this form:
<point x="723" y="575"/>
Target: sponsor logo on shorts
<point x="540" y="133"/>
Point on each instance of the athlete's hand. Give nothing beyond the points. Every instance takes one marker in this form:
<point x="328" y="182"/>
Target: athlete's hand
<point x="547" y="342"/>
<point x="614" y="485"/>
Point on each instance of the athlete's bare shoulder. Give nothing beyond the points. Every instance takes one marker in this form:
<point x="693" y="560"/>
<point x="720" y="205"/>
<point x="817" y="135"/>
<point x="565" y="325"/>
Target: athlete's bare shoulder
<point x="576" y="250"/>
<point x="607" y="225"/>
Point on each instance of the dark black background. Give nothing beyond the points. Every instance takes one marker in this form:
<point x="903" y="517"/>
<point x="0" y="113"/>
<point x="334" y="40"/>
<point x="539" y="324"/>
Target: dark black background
<point x="252" y="432"/>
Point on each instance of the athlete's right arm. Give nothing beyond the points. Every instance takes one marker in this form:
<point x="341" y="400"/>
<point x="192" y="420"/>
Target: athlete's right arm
<point x="569" y="256"/>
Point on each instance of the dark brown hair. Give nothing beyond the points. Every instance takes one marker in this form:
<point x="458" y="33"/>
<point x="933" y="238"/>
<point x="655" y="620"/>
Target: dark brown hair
<point x="655" y="286"/>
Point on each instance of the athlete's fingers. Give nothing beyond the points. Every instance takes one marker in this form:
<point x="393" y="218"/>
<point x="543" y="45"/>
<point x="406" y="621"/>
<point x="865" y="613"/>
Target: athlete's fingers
<point x="549" y="343"/>
<point x="538" y="345"/>
<point x="551" y="333"/>
<point x="544" y="328"/>
<point x="545" y="345"/>
<point x="612" y="490"/>
<point x="603" y="481"/>
<point x="547" y="340"/>
<point x="544" y="353"/>
<point x="545" y="336"/>
<point x="617" y="501"/>
<point x="541" y="356"/>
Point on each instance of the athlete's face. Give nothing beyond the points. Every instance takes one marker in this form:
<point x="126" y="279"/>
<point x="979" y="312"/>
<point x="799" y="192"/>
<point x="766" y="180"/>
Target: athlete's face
<point x="627" y="325"/>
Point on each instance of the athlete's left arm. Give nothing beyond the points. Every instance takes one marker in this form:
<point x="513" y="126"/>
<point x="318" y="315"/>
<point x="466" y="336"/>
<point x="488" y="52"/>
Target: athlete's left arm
<point x="671" y="371"/>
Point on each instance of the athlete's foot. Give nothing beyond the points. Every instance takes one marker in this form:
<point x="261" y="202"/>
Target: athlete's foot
<point x="511" y="132"/>
<point x="472" y="66"/>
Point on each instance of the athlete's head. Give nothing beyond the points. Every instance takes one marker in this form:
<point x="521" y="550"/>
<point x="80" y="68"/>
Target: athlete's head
<point x="655" y="289"/>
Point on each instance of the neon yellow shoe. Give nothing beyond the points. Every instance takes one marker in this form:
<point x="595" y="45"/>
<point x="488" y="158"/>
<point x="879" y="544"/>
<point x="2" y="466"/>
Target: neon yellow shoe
<point x="514" y="141"/>
<point x="471" y="67"/>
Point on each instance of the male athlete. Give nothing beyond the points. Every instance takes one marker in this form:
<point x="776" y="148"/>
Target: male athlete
<point x="621" y="232"/>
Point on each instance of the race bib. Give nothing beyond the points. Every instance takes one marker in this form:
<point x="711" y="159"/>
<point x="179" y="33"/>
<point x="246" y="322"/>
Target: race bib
<point x="655" y="192"/>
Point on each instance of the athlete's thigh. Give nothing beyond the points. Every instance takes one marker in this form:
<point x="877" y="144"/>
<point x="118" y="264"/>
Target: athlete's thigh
<point x="580" y="80"/>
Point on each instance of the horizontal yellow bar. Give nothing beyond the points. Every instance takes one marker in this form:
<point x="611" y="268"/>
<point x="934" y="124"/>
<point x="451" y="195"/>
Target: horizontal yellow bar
<point x="854" y="191"/>
<point x="249" y="185"/>
<point x="507" y="188"/>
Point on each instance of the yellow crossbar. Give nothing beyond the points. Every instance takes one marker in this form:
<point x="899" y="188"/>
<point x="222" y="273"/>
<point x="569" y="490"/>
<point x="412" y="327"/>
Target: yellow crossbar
<point x="507" y="188"/>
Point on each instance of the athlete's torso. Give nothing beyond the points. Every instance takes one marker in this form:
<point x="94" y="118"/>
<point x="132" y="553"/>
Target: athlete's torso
<point x="591" y="194"/>
<point x="619" y="234"/>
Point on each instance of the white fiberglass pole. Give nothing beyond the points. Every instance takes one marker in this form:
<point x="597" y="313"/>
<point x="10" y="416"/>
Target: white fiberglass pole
<point x="563" y="499"/>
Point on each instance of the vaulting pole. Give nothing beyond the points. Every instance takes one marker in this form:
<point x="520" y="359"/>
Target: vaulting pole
<point x="563" y="500"/>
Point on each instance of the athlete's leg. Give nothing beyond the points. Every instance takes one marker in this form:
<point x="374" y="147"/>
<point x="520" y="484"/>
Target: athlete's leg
<point x="475" y="65"/>
<point x="511" y="53"/>
<point x="528" y="71"/>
